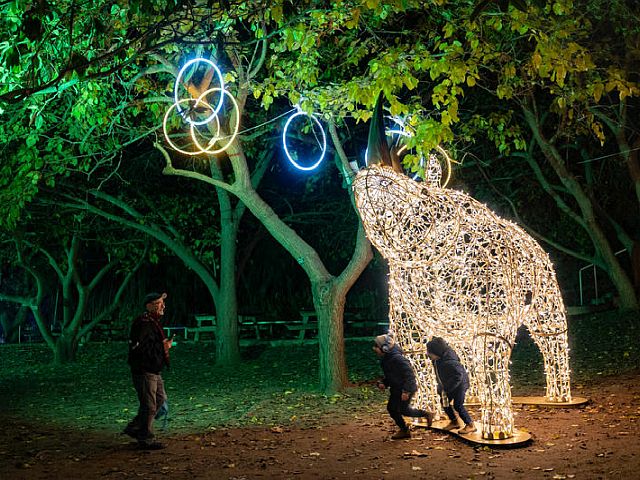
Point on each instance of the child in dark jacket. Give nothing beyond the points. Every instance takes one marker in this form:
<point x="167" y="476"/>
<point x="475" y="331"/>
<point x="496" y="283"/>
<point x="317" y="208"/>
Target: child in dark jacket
<point x="453" y="383"/>
<point x="399" y="377"/>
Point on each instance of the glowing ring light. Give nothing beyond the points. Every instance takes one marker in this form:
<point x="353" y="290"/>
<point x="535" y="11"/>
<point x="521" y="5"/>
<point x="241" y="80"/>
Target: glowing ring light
<point x="448" y="160"/>
<point x="194" y="129"/>
<point x="286" y="150"/>
<point x="177" y="83"/>
<point x="216" y="138"/>
<point x="208" y="149"/>
<point x="173" y="145"/>
<point x="166" y="134"/>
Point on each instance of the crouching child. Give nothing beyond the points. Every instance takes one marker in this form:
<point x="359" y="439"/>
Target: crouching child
<point x="453" y="383"/>
<point x="399" y="377"/>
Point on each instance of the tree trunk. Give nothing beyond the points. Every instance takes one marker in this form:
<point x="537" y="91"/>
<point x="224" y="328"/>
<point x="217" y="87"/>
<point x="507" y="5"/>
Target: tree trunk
<point x="65" y="349"/>
<point x="227" y="341"/>
<point x="328" y="291"/>
<point x="328" y="301"/>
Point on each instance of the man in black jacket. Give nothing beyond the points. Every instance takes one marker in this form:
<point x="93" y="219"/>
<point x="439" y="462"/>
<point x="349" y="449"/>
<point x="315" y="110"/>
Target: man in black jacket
<point x="148" y="355"/>
<point x="399" y="377"/>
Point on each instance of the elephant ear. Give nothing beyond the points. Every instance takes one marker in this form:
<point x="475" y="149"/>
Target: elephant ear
<point x="378" y="149"/>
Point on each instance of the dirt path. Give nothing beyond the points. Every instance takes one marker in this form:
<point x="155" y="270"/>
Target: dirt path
<point x="600" y="440"/>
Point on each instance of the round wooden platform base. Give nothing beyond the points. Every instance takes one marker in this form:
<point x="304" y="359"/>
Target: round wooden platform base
<point x="519" y="439"/>
<point x="542" y="401"/>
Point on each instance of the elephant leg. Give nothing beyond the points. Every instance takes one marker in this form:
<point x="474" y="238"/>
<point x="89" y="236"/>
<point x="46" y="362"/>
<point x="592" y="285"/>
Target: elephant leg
<point x="465" y="351"/>
<point x="494" y="389"/>
<point x="555" y="352"/>
<point x="427" y="397"/>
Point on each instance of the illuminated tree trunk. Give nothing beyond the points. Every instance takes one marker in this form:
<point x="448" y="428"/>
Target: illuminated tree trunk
<point x="629" y="153"/>
<point x="329" y="292"/>
<point x="227" y="340"/>
<point x="328" y="301"/>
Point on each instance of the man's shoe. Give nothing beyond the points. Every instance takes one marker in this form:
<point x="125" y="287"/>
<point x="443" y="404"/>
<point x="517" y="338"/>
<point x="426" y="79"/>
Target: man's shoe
<point x="131" y="431"/>
<point x="469" y="428"/>
<point x="400" y="434"/>
<point x="151" y="445"/>
<point x="451" y="426"/>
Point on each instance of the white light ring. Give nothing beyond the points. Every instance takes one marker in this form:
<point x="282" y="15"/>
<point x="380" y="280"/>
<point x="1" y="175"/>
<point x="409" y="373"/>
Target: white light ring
<point x="216" y="138"/>
<point x="286" y="150"/>
<point x="444" y="153"/>
<point x="177" y="83"/>
<point x="446" y="156"/>
<point x="166" y="134"/>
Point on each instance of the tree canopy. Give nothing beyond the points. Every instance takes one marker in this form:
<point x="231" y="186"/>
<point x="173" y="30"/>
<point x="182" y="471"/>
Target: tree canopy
<point x="548" y="88"/>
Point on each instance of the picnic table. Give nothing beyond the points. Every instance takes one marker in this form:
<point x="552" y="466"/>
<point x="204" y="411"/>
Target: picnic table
<point x="175" y="328"/>
<point x="206" y="324"/>
<point x="304" y="324"/>
<point x="258" y="327"/>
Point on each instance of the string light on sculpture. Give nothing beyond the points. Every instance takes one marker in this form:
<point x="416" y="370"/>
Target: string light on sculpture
<point x="459" y="271"/>
<point x="437" y="157"/>
<point x="204" y="133"/>
<point x="322" y="143"/>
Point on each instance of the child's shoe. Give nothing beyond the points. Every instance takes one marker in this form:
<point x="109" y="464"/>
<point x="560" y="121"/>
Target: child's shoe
<point x="451" y="426"/>
<point x="429" y="418"/>
<point x="400" y="434"/>
<point x="468" y="428"/>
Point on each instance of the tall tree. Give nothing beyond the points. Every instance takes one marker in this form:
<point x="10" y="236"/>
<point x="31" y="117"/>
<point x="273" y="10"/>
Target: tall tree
<point x="53" y="260"/>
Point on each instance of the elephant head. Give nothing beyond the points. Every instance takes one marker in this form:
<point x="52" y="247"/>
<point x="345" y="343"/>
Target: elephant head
<point x="398" y="212"/>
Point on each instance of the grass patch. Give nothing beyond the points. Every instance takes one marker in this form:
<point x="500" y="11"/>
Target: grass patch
<point x="273" y="386"/>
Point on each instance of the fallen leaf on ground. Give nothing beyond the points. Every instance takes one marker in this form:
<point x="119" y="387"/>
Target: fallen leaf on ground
<point x="414" y="453"/>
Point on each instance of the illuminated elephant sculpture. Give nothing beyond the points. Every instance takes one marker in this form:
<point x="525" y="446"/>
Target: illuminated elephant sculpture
<point x="459" y="271"/>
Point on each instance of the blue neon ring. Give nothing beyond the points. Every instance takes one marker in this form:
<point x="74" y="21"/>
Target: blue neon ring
<point x="286" y="150"/>
<point x="220" y="79"/>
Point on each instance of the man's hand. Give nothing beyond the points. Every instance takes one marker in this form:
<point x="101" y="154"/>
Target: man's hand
<point x="405" y="396"/>
<point x="381" y="386"/>
<point x="168" y="343"/>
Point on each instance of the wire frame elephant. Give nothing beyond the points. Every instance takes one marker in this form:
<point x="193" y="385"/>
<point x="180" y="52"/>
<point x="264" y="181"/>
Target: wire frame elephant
<point x="459" y="271"/>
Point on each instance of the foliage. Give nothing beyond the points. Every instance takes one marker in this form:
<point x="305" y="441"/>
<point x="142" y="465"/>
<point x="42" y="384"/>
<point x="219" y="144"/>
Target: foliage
<point x="436" y="61"/>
